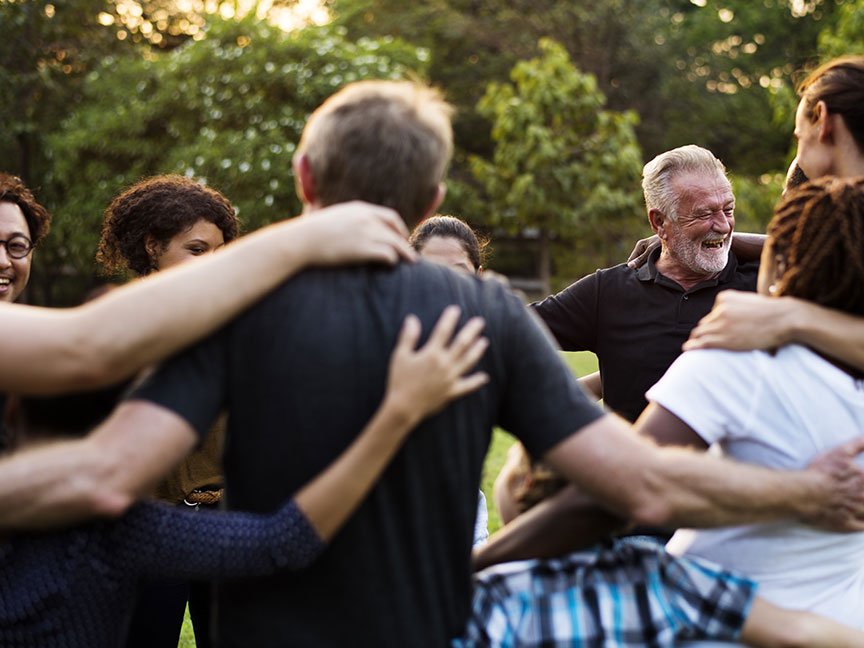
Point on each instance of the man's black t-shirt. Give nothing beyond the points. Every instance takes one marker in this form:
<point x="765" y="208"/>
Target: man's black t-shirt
<point x="300" y="374"/>
<point x="635" y="321"/>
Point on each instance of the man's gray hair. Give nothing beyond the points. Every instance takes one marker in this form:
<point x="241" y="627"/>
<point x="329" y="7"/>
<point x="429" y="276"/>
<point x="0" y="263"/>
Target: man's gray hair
<point x="658" y="173"/>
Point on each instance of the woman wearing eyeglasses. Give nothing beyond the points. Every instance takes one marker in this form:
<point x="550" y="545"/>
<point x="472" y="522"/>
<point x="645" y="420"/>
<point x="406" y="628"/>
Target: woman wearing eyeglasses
<point x="23" y="223"/>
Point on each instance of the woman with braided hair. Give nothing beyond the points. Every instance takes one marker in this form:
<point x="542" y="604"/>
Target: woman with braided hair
<point x="829" y="127"/>
<point x="781" y="408"/>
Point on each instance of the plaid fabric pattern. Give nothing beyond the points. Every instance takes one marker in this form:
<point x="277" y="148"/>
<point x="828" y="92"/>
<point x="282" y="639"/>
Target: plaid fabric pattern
<point x="632" y="593"/>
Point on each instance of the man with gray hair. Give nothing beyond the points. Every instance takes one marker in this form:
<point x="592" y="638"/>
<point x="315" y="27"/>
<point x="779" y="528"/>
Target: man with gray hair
<point x="636" y="320"/>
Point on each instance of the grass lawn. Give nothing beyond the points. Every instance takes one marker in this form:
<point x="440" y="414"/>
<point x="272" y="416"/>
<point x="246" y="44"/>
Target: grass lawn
<point x="581" y="363"/>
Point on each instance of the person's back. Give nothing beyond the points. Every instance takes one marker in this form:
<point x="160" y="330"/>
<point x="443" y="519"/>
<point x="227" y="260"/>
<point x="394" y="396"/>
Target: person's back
<point x="781" y="410"/>
<point x="310" y="361"/>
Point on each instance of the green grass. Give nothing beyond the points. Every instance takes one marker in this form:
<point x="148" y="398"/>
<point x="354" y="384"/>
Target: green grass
<point x="581" y="363"/>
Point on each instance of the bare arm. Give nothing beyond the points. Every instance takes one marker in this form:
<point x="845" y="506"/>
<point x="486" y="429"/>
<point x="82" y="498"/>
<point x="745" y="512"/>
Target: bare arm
<point x="675" y="487"/>
<point x="741" y="321"/>
<point x="746" y="246"/>
<point x="592" y="384"/>
<point x="571" y="520"/>
<point x="46" y="351"/>
<point x="101" y="474"/>
<point x="419" y="384"/>
<point x="565" y="522"/>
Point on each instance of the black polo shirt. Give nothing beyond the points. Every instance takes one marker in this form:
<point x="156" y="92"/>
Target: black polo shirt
<point x="635" y="321"/>
<point x="300" y="374"/>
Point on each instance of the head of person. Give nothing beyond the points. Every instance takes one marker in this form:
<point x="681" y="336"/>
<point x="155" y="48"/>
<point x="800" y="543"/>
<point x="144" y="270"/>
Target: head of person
<point x="829" y="122"/>
<point x="162" y="221"/>
<point x="523" y="483"/>
<point x="23" y="223"/>
<point x="815" y="245"/>
<point x="385" y="142"/>
<point x="691" y="208"/>
<point x="449" y="241"/>
<point x="39" y="419"/>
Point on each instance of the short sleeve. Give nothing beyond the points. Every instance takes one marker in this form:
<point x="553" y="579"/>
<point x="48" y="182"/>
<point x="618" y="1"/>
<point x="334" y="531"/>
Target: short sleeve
<point x="571" y="315"/>
<point x="712" y="391"/>
<point x="191" y="384"/>
<point x="542" y="403"/>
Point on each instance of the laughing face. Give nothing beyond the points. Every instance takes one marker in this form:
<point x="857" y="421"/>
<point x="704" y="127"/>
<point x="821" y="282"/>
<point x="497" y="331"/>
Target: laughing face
<point x="14" y="273"/>
<point x="700" y="238"/>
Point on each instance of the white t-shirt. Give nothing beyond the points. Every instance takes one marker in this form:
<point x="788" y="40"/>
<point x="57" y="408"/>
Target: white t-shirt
<point x="779" y="412"/>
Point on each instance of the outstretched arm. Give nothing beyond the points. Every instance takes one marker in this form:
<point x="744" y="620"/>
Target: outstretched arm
<point x="45" y="351"/>
<point x="208" y="543"/>
<point x="742" y="321"/>
<point x="675" y="487"/>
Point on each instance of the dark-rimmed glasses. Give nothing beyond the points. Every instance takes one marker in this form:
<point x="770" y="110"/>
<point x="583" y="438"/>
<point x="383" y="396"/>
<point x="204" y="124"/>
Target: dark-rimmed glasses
<point x="18" y="246"/>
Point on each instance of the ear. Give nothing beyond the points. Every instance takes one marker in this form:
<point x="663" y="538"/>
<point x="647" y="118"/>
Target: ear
<point x="659" y="223"/>
<point x="440" y="193"/>
<point x="303" y="179"/>
<point x="151" y="247"/>
<point x="825" y="121"/>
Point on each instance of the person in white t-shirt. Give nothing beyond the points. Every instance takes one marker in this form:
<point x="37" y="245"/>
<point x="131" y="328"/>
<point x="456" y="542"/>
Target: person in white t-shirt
<point x="781" y="408"/>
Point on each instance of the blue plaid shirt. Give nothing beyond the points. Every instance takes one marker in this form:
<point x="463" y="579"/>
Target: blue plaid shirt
<point x="633" y="593"/>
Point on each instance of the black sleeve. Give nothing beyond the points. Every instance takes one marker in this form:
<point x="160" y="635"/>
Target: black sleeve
<point x="192" y="384"/>
<point x="571" y="315"/>
<point x="542" y="403"/>
<point x="158" y="540"/>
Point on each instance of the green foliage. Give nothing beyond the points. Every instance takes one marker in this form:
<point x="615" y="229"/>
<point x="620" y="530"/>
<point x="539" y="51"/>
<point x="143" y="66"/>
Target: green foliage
<point x="562" y="164"/>
<point x="846" y="36"/>
<point x="227" y="109"/>
<point x="755" y="199"/>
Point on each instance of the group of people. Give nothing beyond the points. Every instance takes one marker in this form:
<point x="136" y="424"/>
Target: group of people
<point x="297" y="398"/>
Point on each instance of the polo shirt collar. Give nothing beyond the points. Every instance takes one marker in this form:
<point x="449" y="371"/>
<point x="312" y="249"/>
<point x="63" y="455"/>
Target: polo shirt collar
<point x="648" y="272"/>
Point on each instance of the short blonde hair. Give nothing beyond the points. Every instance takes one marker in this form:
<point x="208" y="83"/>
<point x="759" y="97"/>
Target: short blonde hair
<point x="386" y="142"/>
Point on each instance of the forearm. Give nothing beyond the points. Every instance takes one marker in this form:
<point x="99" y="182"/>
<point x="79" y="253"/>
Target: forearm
<point x="832" y="332"/>
<point x="56" y="485"/>
<point x="111" y="338"/>
<point x="674" y="487"/>
<point x="593" y="384"/>
<point x="567" y="522"/>
<point x="329" y="499"/>
<point x="748" y="247"/>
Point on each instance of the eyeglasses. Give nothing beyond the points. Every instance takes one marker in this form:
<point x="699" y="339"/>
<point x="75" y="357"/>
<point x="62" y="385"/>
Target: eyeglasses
<point x="17" y="247"/>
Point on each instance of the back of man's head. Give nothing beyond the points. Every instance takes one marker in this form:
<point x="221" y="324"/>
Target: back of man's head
<point x="657" y="175"/>
<point x="385" y="142"/>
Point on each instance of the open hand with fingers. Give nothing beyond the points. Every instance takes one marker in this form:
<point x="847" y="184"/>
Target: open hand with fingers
<point x="356" y="232"/>
<point x="421" y="381"/>
<point x="840" y="504"/>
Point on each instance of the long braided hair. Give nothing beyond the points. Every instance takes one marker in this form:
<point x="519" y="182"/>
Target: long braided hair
<point x="818" y="234"/>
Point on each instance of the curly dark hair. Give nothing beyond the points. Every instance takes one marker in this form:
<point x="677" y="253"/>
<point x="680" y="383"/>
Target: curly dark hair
<point x="818" y="232"/>
<point x="160" y="207"/>
<point x="13" y="190"/>
<point x="445" y="226"/>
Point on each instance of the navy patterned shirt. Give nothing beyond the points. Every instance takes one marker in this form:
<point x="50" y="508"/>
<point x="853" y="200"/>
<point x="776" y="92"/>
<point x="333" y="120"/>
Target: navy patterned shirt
<point x="76" y="587"/>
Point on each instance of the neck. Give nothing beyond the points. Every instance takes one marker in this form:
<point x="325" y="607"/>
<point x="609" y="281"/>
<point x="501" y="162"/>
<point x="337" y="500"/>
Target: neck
<point x="680" y="274"/>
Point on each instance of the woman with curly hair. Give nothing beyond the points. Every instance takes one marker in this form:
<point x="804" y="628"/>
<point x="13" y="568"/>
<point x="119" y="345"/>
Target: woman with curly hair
<point x="23" y="223"/>
<point x="155" y="224"/>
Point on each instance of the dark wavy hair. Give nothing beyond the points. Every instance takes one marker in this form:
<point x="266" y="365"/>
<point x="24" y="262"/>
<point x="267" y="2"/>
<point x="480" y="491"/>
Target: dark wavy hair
<point x="13" y="190"/>
<point x="160" y="207"/>
<point x="818" y="232"/>
<point x="451" y="227"/>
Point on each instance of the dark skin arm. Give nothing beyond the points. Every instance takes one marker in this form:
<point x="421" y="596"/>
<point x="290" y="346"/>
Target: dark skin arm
<point x="571" y="520"/>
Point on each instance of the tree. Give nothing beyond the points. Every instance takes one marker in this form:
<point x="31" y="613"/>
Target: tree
<point x="227" y="109"/>
<point x="562" y="164"/>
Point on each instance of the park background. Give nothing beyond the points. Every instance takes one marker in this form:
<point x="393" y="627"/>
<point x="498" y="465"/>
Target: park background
<point x="558" y="105"/>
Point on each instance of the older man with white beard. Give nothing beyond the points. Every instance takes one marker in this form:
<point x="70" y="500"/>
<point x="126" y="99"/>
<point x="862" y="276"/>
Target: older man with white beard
<point x="636" y="320"/>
